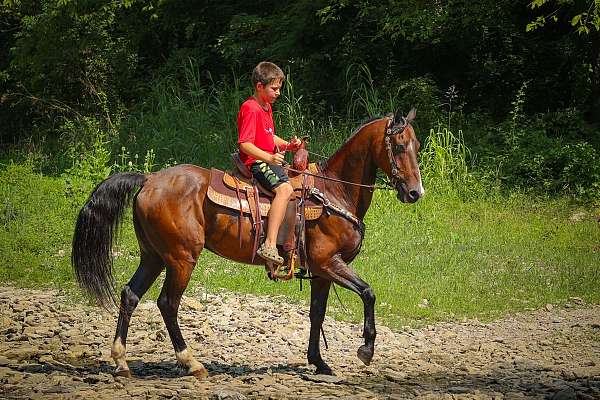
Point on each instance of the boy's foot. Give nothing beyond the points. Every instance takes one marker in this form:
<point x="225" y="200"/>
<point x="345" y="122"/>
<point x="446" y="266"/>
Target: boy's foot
<point x="270" y="254"/>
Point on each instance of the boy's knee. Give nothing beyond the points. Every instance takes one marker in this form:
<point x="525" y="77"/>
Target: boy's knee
<point x="285" y="189"/>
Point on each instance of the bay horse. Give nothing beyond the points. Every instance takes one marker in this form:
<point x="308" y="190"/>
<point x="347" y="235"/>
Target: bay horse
<point x="174" y="221"/>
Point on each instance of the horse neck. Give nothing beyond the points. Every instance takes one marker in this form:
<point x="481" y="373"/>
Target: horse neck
<point x="354" y="162"/>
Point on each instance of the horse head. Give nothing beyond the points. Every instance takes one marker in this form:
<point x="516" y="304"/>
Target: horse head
<point x="398" y="157"/>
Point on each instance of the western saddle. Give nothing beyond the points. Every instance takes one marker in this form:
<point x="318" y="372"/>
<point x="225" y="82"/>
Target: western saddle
<point x="239" y="191"/>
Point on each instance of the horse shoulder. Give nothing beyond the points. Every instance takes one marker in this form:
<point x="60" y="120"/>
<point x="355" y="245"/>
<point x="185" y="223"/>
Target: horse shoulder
<point x="332" y="235"/>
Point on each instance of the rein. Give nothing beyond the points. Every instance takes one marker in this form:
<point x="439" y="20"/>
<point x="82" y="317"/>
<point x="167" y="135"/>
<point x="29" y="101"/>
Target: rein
<point x="372" y="187"/>
<point x="314" y="192"/>
<point x="389" y="132"/>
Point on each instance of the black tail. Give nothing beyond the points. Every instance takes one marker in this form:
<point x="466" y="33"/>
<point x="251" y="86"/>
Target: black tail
<point x="94" y="233"/>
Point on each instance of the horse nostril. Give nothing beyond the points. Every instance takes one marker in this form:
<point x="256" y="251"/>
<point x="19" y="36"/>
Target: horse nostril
<point x="414" y="194"/>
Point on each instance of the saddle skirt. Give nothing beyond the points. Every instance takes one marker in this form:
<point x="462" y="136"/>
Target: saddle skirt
<point x="230" y="190"/>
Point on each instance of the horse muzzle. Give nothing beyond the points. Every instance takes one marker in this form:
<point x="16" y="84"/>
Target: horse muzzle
<point x="406" y="195"/>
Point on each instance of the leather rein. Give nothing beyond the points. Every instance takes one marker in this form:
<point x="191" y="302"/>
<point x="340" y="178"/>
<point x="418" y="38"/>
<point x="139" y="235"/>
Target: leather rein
<point x="389" y="133"/>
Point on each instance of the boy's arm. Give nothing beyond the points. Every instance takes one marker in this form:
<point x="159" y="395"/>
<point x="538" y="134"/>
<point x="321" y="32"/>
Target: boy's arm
<point x="254" y="152"/>
<point x="284" y="145"/>
<point x="280" y="143"/>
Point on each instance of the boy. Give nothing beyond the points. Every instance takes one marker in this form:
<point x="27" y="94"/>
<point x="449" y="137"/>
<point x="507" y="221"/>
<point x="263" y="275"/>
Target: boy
<point x="262" y="151"/>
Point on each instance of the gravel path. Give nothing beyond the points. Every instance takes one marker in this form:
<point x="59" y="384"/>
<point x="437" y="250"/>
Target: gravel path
<point x="254" y="347"/>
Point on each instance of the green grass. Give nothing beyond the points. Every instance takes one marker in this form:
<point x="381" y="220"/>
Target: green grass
<point x="482" y="257"/>
<point x="469" y="250"/>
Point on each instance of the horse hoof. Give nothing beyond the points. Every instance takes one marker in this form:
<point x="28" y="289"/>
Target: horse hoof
<point x="324" y="371"/>
<point x="322" y="368"/>
<point x="200" y="374"/>
<point x="125" y="373"/>
<point x="364" y="354"/>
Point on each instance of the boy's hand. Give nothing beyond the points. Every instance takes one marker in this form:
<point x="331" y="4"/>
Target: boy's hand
<point x="294" y="144"/>
<point x="276" y="159"/>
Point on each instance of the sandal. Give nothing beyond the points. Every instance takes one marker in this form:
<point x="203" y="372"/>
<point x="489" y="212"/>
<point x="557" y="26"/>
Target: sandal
<point x="270" y="254"/>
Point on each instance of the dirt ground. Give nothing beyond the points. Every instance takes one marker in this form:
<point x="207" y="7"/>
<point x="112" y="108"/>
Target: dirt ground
<point x="254" y="347"/>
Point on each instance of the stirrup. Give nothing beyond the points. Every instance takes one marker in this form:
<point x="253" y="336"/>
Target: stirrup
<point x="277" y="272"/>
<point x="270" y="254"/>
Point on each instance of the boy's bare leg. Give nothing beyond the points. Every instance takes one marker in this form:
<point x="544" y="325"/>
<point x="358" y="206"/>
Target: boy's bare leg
<point x="277" y="212"/>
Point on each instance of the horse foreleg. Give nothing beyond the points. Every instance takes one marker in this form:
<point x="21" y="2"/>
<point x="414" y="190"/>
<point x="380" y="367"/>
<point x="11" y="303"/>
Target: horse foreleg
<point x="319" y="292"/>
<point x="145" y="275"/>
<point x="177" y="278"/>
<point x="338" y="272"/>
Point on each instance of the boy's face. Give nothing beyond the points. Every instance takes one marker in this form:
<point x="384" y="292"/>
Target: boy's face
<point x="269" y="92"/>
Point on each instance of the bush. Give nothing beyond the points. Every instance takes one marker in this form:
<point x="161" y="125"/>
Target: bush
<point x="70" y="59"/>
<point x="549" y="153"/>
<point x="571" y="169"/>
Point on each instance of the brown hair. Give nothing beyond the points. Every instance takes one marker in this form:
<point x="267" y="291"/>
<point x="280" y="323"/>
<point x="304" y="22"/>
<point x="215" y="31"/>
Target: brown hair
<point x="266" y="72"/>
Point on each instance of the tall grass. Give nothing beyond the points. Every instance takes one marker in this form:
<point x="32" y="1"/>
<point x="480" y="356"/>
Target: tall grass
<point x="187" y="120"/>
<point x="444" y="163"/>
<point x="457" y="252"/>
<point x="366" y="98"/>
<point x="194" y="119"/>
<point x="293" y="118"/>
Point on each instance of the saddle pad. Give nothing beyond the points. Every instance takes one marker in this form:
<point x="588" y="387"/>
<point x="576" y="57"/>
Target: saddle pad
<point x="220" y="194"/>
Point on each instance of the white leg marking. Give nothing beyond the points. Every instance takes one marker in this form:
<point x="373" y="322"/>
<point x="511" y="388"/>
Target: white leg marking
<point x="186" y="359"/>
<point x="118" y="354"/>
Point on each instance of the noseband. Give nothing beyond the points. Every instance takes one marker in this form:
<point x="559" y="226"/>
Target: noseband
<point x="390" y="131"/>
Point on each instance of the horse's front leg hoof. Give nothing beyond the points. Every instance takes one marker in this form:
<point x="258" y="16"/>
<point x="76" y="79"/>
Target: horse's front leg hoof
<point x="365" y="354"/>
<point x="125" y="373"/>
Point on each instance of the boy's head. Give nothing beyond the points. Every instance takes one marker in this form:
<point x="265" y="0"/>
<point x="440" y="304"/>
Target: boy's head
<point x="266" y="72"/>
<point x="267" y="79"/>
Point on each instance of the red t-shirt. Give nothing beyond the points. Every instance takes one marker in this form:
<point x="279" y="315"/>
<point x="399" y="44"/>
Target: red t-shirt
<point x="256" y="125"/>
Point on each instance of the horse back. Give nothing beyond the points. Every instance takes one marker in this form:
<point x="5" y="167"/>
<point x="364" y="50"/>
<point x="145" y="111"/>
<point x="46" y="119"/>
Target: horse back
<point x="178" y="181"/>
<point x="168" y="208"/>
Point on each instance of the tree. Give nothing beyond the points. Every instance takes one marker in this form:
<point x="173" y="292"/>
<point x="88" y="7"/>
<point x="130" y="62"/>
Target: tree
<point x="584" y="18"/>
<point x="584" y="15"/>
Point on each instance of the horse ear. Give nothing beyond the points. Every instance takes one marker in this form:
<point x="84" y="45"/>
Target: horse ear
<point x="412" y="114"/>
<point x="398" y="116"/>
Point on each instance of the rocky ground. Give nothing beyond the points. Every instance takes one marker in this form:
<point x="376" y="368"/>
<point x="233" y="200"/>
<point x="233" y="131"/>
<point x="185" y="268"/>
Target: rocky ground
<point x="254" y="347"/>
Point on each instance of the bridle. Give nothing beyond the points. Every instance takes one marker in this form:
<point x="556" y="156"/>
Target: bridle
<point x="391" y="131"/>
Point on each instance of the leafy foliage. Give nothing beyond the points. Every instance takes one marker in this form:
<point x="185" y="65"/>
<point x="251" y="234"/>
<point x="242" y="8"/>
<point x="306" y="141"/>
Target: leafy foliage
<point x="585" y="14"/>
<point x="164" y="79"/>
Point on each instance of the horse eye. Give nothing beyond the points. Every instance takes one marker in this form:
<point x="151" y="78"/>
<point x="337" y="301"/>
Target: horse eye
<point x="400" y="148"/>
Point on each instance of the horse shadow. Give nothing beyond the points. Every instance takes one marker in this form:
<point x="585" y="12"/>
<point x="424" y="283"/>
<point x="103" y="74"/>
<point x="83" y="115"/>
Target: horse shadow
<point x="170" y="370"/>
<point x="154" y="370"/>
<point x="490" y="383"/>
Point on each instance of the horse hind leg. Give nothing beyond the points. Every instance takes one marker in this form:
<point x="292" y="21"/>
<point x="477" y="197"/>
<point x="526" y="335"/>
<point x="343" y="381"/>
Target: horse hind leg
<point x="148" y="270"/>
<point x="177" y="278"/>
